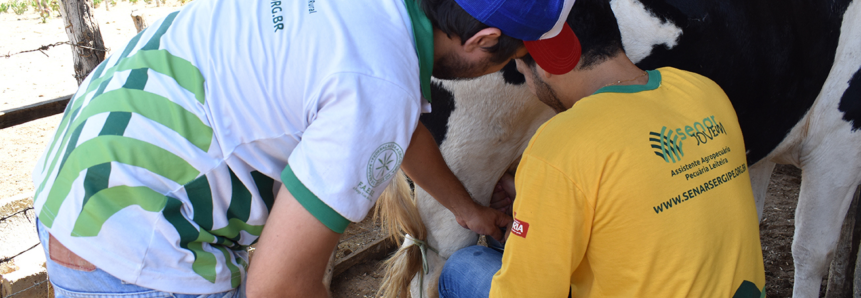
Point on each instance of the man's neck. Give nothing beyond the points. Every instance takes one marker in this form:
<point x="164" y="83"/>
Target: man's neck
<point x="617" y="71"/>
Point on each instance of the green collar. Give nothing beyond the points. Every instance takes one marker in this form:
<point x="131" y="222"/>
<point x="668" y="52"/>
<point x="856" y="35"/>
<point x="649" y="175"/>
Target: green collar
<point x="423" y="36"/>
<point x="653" y="83"/>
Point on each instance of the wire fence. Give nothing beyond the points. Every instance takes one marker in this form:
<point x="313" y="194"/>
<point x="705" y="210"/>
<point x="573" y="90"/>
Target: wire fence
<point x="48" y="46"/>
<point x="12" y="257"/>
<point x="16" y="213"/>
<point x="22" y="291"/>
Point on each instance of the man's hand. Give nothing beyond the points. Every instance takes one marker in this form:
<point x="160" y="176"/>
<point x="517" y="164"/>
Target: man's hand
<point x="424" y="164"/>
<point x="503" y="194"/>
<point x="483" y="220"/>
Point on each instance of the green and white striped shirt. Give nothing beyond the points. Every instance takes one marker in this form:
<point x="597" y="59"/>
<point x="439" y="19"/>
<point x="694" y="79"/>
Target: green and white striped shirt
<point x="166" y="163"/>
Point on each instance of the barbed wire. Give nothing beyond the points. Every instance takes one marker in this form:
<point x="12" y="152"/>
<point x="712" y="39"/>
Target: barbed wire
<point x="30" y="287"/>
<point x="48" y="46"/>
<point x="7" y="259"/>
<point x="16" y="213"/>
<point x="4" y="260"/>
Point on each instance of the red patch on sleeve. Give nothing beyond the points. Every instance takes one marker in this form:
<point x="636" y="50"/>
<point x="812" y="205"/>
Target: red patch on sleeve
<point x="519" y="228"/>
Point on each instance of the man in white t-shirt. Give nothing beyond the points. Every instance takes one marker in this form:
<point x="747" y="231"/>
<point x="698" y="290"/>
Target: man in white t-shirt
<point x="230" y="115"/>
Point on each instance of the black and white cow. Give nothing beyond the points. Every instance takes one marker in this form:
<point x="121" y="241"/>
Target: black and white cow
<point x="791" y="69"/>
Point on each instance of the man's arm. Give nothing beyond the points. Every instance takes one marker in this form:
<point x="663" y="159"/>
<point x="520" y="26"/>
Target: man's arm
<point x="292" y="253"/>
<point x="548" y="239"/>
<point x="424" y="164"/>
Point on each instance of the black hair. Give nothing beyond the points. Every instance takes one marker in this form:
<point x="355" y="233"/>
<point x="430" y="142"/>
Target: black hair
<point x="595" y="25"/>
<point x="451" y="19"/>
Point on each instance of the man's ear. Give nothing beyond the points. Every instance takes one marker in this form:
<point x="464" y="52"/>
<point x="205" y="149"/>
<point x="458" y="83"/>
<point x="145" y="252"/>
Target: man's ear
<point x="546" y="74"/>
<point x="541" y="72"/>
<point x="485" y="38"/>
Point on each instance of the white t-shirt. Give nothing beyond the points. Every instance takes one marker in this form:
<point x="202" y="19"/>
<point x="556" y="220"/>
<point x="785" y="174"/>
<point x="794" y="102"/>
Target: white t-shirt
<point x="165" y="165"/>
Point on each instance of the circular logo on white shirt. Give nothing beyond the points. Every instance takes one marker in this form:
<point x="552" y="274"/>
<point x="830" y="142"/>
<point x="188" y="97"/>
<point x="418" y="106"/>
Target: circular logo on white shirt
<point x="384" y="163"/>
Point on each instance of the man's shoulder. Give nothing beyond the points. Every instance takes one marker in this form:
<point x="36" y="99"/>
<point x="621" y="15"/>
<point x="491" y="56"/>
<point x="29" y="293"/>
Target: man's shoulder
<point x="687" y="79"/>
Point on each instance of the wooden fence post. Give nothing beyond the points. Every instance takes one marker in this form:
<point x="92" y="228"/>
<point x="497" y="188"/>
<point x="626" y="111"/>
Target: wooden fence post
<point x="83" y="30"/>
<point x="138" y="19"/>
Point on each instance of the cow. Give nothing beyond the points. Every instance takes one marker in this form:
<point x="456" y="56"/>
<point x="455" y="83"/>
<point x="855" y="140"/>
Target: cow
<point x="790" y="68"/>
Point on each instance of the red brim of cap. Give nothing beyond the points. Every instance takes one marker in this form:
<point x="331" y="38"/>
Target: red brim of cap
<point x="556" y="55"/>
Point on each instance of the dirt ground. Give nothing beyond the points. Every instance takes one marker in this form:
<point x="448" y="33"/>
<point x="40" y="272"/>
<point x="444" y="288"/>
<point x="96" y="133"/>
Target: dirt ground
<point x="34" y="77"/>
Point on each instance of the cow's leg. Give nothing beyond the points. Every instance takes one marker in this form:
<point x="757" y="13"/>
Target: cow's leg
<point x="830" y="161"/>
<point x="760" y="174"/>
<point x="431" y="280"/>
<point x="444" y="234"/>
<point x="821" y="208"/>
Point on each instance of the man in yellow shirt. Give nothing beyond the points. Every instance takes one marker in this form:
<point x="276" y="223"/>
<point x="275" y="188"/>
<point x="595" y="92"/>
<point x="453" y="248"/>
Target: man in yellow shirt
<point x="638" y="187"/>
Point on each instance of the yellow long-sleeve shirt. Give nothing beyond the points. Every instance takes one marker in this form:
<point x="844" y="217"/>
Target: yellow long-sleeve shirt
<point x="636" y="191"/>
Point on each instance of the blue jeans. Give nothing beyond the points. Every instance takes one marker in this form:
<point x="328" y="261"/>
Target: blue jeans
<point x="69" y="282"/>
<point x="469" y="271"/>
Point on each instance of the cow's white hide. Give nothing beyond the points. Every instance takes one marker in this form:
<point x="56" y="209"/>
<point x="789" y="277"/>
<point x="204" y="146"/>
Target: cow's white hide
<point x="641" y="30"/>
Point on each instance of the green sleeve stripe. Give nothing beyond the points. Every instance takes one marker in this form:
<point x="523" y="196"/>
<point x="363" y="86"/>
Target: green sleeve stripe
<point x="325" y="214"/>
<point x="154" y="107"/>
<point x="104" y="204"/>
<point x="125" y="150"/>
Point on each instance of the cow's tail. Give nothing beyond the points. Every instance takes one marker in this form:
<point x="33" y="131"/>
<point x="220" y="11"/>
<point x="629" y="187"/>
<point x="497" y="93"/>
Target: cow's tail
<point x="400" y="216"/>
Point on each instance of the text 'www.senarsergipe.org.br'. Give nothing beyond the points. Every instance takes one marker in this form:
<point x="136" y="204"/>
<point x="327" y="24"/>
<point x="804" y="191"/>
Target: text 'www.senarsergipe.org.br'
<point x="701" y="189"/>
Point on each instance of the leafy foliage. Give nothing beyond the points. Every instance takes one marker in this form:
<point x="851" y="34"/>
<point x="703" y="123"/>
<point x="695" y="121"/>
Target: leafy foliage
<point x="19" y="7"/>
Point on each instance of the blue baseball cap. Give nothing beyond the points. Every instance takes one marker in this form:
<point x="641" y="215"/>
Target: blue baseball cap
<point x="540" y="24"/>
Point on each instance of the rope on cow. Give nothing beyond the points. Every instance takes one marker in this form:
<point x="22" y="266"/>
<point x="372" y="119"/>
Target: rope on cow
<point x="423" y="247"/>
